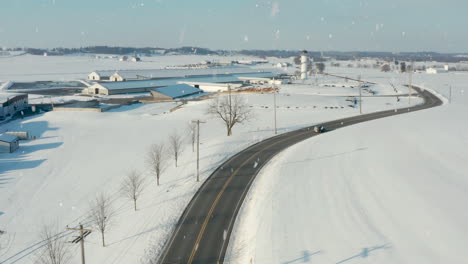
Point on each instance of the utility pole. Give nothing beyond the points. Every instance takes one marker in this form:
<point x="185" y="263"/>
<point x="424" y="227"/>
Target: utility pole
<point x="198" y="147"/>
<point x="360" y="94"/>
<point x="410" y="86"/>
<point x="450" y="95"/>
<point x="83" y="233"/>
<point x="274" y="103"/>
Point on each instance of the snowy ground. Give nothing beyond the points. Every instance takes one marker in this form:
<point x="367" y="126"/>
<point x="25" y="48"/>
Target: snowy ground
<point x="28" y="68"/>
<point x="386" y="191"/>
<point x="53" y="179"/>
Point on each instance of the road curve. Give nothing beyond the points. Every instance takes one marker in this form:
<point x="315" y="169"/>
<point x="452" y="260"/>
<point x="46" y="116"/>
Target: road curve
<point x="204" y="229"/>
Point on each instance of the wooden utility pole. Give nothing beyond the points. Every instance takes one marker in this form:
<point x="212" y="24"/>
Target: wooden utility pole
<point x="360" y="94"/>
<point x="83" y="234"/>
<point x="450" y="94"/>
<point x="274" y="103"/>
<point x="198" y="146"/>
<point x="410" y="86"/>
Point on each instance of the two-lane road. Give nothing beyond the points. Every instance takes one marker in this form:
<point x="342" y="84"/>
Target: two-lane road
<point x="203" y="231"/>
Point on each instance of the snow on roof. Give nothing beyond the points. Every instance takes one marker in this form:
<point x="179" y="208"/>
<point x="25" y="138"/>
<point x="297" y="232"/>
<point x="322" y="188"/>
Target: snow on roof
<point x="222" y="78"/>
<point x="6" y="96"/>
<point x="8" y="138"/>
<point x="178" y="73"/>
<point x="178" y="90"/>
<point x="133" y="84"/>
<point x="233" y="85"/>
<point x="105" y="73"/>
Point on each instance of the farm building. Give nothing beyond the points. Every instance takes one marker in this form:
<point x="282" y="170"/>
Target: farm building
<point x="262" y="80"/>
<point x="11" y="103"/>
<point x="8" y="143"/>
<point x="100" y="75"/>
<point x="139" y="86"/>
<point x="438" y="70"/>
<point x="121" y="76"/>
<point x="174" y="92"/>
<point x="213" y="87"/>
<point x="110" y="88"/>
<point x="132" y="75"/>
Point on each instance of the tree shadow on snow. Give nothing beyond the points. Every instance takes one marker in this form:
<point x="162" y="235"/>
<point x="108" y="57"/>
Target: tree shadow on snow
<point x="303" y="258"/>
<point x="364" y="253"/>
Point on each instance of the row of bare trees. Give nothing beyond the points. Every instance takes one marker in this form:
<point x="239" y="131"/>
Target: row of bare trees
<point x="231" y="110"/>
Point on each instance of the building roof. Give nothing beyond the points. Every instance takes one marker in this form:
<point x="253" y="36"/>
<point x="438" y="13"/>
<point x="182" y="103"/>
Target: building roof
<point x="180" y="73"/>
<point x="178" y="90"/>
<point x="104" y="73"/>
<point x="8" y="138"/>
<point x="8" y="96"/>
<point x="130" y="84"/>
<point x="233" y="85"/>
<point x="220" y="78"/>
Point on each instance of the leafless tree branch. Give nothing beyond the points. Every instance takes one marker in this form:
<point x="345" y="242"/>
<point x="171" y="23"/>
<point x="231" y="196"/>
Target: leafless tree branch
<point x="133" y="186"/>
<point x="54" y="250"/>
<point x="101" y="214"/>
<point x="156" y="160"/>
<point x="231" y="110"/>
<point x="175" y="143"/>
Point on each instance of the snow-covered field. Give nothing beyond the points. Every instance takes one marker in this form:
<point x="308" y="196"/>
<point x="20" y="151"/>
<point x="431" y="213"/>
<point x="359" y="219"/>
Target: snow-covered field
<point x="53" y="179"/>
<point x="28" y="68"/>
<point x="386" y="191"/>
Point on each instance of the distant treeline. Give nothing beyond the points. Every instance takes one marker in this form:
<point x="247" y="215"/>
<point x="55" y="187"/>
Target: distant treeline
<point x="316" y="55"/>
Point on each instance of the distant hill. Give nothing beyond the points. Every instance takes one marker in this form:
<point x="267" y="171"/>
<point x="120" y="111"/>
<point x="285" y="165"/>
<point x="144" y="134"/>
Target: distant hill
<point x="318" y="56"/>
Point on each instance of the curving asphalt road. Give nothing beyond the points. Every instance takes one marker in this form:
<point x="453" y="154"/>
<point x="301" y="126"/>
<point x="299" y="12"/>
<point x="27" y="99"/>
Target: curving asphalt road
<point x="203" y="231"/>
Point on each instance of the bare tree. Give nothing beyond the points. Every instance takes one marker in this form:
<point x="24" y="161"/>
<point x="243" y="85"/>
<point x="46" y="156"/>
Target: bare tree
<point x="385" y="68"/>
<point x="231" y="110"/>
<point x="175" y="143"/>
<point x="133" y="186"/>
<point x="101" y="214"/>
<point x="156" y="159"/>
<point x="54" y="250"/>
<point x="193" y="134"/>
<point x="320" y="66"/>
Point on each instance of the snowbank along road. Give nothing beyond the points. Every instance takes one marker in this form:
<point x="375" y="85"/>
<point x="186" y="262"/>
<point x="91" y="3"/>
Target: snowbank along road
<point x="204" y="229"/>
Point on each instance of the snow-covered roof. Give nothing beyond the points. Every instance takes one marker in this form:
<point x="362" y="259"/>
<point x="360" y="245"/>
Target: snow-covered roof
<point x="228" y="78"/>
<point x="179" y="73"/>
<point x="7" y="96"/>
<point x="178" y="90"/>
<point x="132" y="84"/>
<point x="104" y="73"/>
<point x="8" y="138"/>
<point x="233" y="85"/>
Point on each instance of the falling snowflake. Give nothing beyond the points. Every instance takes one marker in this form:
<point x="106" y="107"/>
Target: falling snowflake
<point x="275" y="9"/>
<point x="246" y="38"/>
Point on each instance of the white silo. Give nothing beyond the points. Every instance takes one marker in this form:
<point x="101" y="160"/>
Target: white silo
<point x="304" y="63"/>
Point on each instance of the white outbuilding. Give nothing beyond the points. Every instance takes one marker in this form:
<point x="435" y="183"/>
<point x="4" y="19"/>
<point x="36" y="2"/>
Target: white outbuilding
<point x="8" y="143"/>
<point x="100" y="75"/>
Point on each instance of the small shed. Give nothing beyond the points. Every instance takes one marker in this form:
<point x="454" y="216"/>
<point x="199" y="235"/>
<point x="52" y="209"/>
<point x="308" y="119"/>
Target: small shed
<point x="174" y="92"/>
<point x="8" y="143"/>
